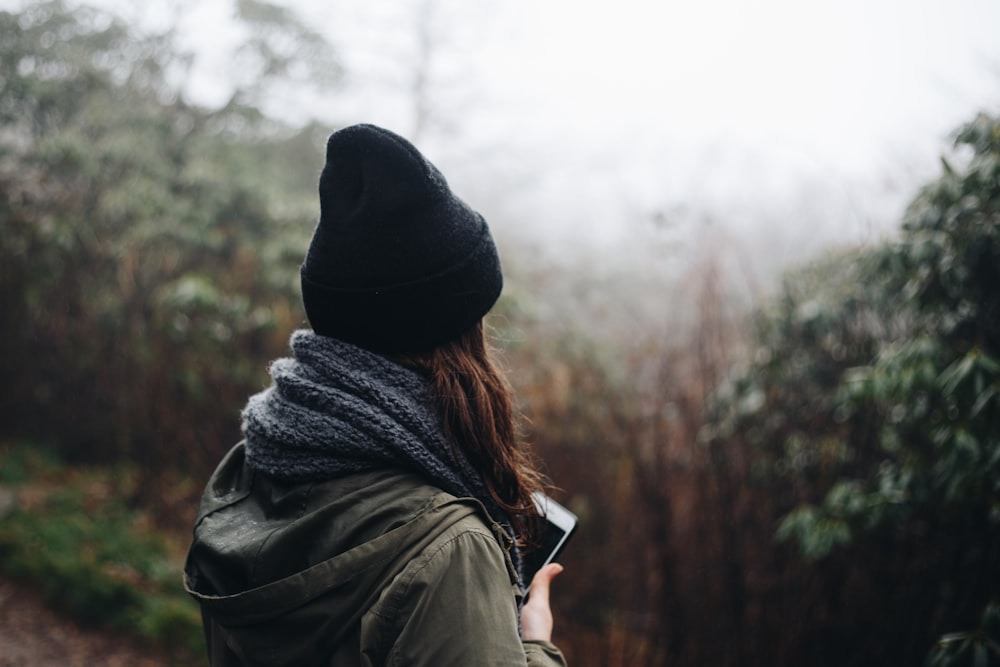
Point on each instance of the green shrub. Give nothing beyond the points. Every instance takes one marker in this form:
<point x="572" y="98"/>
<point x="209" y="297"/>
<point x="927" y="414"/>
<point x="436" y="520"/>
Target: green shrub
<point x="871" y="414"/>
<point x="90" y="556"/>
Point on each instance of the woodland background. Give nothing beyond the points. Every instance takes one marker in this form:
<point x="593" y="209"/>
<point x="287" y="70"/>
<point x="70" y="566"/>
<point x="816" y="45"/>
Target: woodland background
<point x="810" y="478"/>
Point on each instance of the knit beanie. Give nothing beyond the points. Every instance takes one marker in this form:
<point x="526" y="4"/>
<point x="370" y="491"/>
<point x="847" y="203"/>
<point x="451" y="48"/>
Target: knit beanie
<point x="397" y="262"/>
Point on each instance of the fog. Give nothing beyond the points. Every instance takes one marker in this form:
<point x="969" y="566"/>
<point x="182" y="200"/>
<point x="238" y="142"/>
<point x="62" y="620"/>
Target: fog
<point x="780" y="126"/>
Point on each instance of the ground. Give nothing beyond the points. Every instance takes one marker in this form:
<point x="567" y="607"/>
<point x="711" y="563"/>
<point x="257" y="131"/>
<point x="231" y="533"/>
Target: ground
<point x="32" y="635"/>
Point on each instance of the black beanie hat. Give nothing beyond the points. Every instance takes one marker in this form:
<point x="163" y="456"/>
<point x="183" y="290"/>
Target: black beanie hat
<point x="397" y="263"/>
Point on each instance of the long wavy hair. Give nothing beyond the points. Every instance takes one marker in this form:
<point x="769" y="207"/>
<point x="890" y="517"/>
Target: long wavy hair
<point x="474" y="404"/>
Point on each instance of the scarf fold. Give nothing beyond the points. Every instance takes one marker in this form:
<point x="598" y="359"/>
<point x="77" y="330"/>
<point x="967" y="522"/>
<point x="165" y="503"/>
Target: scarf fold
<point x="335" y="408"/>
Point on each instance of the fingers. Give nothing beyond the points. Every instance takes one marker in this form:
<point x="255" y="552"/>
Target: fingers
<point x="541" y="584"/>
<point x="536" y="616"/>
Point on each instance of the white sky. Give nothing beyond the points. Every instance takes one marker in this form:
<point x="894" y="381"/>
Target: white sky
<point x="747" y="111"/>
<point x="584" y="115"/>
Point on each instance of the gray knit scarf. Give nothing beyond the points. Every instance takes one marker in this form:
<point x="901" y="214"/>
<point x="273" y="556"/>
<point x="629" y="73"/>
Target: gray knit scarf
<point x="336" y="408"/>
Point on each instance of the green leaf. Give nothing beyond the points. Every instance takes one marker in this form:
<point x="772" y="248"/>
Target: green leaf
<point x="982" y="401"/>
<point x="957" y="373"/>
<point x="980" y="657"/>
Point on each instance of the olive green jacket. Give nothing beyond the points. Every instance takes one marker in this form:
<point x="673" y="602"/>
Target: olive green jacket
<point x="375" y="568"/>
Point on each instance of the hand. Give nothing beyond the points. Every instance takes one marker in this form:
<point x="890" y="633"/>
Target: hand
<point x="536" y="615"/>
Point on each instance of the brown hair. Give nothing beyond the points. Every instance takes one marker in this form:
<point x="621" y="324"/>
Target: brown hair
<point x="473" y="402"/>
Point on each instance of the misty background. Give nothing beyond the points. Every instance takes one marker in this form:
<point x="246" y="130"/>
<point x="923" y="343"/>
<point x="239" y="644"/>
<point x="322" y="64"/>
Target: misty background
<point x="750" y="313"/>
<point x="578" y="124"/>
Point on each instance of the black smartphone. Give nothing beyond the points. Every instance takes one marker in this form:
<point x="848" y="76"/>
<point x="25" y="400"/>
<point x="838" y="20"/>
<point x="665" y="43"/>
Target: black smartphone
<point x="558" y="528"/>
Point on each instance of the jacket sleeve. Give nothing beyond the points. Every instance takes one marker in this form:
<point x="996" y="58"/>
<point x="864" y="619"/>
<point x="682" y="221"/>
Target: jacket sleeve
<point x="543" y="654"/>
<point x="455" y="605"/>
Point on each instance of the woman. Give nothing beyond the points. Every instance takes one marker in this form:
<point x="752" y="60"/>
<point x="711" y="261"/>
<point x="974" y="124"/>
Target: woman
<point x="375" y="510"/>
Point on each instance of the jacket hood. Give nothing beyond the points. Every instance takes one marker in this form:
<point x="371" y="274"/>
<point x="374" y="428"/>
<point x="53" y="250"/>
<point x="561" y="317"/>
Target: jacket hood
<point x="286" y="570"/>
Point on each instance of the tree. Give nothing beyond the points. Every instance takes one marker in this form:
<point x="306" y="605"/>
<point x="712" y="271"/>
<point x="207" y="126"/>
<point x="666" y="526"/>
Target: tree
<point x="150" y="247"/>
<point x="874" y="405"/>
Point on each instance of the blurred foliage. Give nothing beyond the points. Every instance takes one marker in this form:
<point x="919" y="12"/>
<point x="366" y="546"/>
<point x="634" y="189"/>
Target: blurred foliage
<point x="980" y="647"/>
<point x="280" y="50"/>
<point x="935" y="392"/>
<point x="613" y="412"/>
<point x="70" y="537"/>
<point x="150" y="248"/>
<point x="872" y="408"/>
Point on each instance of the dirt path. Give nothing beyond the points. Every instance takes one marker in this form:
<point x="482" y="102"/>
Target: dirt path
<point x="32" y="635"/>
